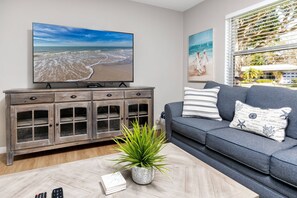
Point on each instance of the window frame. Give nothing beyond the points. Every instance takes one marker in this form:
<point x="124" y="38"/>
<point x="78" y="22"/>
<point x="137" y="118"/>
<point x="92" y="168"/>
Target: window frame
<point x="229" y="48"/>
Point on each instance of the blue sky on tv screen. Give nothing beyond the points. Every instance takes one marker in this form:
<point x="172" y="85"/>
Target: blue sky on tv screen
<point x="55" y="35"/>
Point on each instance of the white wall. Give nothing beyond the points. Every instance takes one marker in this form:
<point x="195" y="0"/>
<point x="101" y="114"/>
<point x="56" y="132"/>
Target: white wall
<point x="158" y="41"/>
<point x="206" y="15"/>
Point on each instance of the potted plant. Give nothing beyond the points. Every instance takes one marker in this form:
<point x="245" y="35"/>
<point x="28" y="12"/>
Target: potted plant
<point x="140" y="149"/>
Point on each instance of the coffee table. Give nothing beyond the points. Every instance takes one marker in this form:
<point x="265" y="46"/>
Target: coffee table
<point x="188" y="177"/>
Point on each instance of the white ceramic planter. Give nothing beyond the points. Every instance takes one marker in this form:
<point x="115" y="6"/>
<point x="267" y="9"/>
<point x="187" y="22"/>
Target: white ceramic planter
<point x="142" y="175"/>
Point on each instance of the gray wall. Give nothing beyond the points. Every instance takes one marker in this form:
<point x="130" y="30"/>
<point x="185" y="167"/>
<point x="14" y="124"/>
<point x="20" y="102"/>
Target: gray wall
<point x="161" y="39"/>
<point x="158" y="41"/>
<point x="206" y="15"/>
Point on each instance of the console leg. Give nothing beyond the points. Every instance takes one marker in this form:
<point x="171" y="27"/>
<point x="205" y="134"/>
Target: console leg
<point x="9" y="158"/>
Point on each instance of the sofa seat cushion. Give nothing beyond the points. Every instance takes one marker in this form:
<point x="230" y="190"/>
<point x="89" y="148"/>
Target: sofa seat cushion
<point x="196" y="128"/>
<point x="283" y="166"/>
<point x="247" y="148"/>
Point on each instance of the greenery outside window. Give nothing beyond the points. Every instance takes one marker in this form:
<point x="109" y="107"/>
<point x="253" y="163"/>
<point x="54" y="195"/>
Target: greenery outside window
<point x="261" y="45"/>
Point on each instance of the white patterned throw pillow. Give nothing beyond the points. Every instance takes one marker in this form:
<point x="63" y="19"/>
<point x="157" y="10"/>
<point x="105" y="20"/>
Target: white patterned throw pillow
<point x="201" y="103"/>
<point x="270" y="123"/>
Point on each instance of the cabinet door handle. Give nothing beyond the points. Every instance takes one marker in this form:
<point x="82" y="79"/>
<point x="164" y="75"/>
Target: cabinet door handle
<point x="138" y="94"/>
<point x="57" y="124"/>
<point x="33" y="98"/>
<point x="50" y="125"/>
<point x="73" y="96"/>
<point x="109" y="95"/>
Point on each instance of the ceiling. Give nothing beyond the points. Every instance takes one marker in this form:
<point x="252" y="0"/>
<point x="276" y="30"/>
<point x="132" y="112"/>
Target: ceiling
<point x="178" y="5"/>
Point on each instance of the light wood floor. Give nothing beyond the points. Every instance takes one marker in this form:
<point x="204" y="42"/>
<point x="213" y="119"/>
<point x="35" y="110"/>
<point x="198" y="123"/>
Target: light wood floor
<point x="49" y="158"/>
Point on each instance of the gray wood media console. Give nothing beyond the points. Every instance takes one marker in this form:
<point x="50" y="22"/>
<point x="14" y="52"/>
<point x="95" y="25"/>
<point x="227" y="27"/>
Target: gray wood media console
<point x="44" y="119"/>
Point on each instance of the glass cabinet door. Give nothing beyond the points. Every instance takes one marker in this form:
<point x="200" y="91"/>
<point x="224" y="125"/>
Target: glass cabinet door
<point x="139" y="110"/>
<point x="108" y="118"/>
<point x="32" y="125"/>
<point x="73" y="121"/>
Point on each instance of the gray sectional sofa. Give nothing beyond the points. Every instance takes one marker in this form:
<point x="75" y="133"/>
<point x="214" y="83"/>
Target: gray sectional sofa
<point x="265" y="166"/>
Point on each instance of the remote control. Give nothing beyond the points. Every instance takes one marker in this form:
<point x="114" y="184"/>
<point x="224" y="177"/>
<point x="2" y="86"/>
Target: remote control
<point x="57" y="193"/>
<point x="41" y="195"/>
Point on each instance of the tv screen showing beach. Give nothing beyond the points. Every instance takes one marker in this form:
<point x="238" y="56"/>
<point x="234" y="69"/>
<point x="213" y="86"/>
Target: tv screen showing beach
<point x="67" y="54"/>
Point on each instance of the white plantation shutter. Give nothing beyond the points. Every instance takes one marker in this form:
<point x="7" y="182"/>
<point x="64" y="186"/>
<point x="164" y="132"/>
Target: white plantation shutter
<point x="268" y="29"/>
<point x="229" y="76"/>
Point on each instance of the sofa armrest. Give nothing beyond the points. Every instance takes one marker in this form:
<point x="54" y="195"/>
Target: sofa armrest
<point x="172" y="110"/>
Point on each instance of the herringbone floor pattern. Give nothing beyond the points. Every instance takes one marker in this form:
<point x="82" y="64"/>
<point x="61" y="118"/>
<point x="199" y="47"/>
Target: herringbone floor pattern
<point x="188" y="177"/>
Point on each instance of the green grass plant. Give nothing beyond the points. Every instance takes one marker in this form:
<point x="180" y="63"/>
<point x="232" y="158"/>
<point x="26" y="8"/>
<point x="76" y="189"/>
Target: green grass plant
<point x="140" y="146"/>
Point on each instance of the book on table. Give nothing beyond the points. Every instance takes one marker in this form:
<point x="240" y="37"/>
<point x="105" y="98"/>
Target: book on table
<point x="113" y="182"/>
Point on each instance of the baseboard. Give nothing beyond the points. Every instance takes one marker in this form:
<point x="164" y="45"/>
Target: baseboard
<point x="2" y="150"/>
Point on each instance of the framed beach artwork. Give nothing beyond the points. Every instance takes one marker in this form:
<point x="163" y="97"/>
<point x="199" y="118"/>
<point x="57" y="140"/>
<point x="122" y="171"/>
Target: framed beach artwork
<point x="200" y="65"/>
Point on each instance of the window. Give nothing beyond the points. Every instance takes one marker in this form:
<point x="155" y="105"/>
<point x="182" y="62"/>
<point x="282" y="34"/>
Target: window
<point x="261" y="44"/>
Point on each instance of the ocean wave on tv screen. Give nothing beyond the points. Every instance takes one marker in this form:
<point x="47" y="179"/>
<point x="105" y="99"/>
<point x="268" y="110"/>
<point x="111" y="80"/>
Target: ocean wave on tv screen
<point x="73" y="64"/>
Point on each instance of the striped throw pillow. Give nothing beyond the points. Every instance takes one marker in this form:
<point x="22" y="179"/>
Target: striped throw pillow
<point x="201" y="103"/>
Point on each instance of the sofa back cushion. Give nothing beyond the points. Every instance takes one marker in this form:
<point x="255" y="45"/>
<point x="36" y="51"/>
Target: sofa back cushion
<point x="227" y="98"/>
<point x="275" y="97"/>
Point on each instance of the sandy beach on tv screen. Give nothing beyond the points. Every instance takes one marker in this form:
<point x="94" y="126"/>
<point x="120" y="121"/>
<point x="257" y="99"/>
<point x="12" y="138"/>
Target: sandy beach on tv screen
<point x="113" y="65"/>
<point x="112" y="73"/>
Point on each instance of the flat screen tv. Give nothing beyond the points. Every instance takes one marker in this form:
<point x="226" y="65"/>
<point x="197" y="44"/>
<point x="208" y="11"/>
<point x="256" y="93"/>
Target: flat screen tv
<point x="68" y="54"/>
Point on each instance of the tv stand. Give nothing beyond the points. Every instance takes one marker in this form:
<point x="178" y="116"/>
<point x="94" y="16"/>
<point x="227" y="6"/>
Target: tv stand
<point x="122" y="83"/>
<point x="48" y="86"/>
<point x="45" y="119"/>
